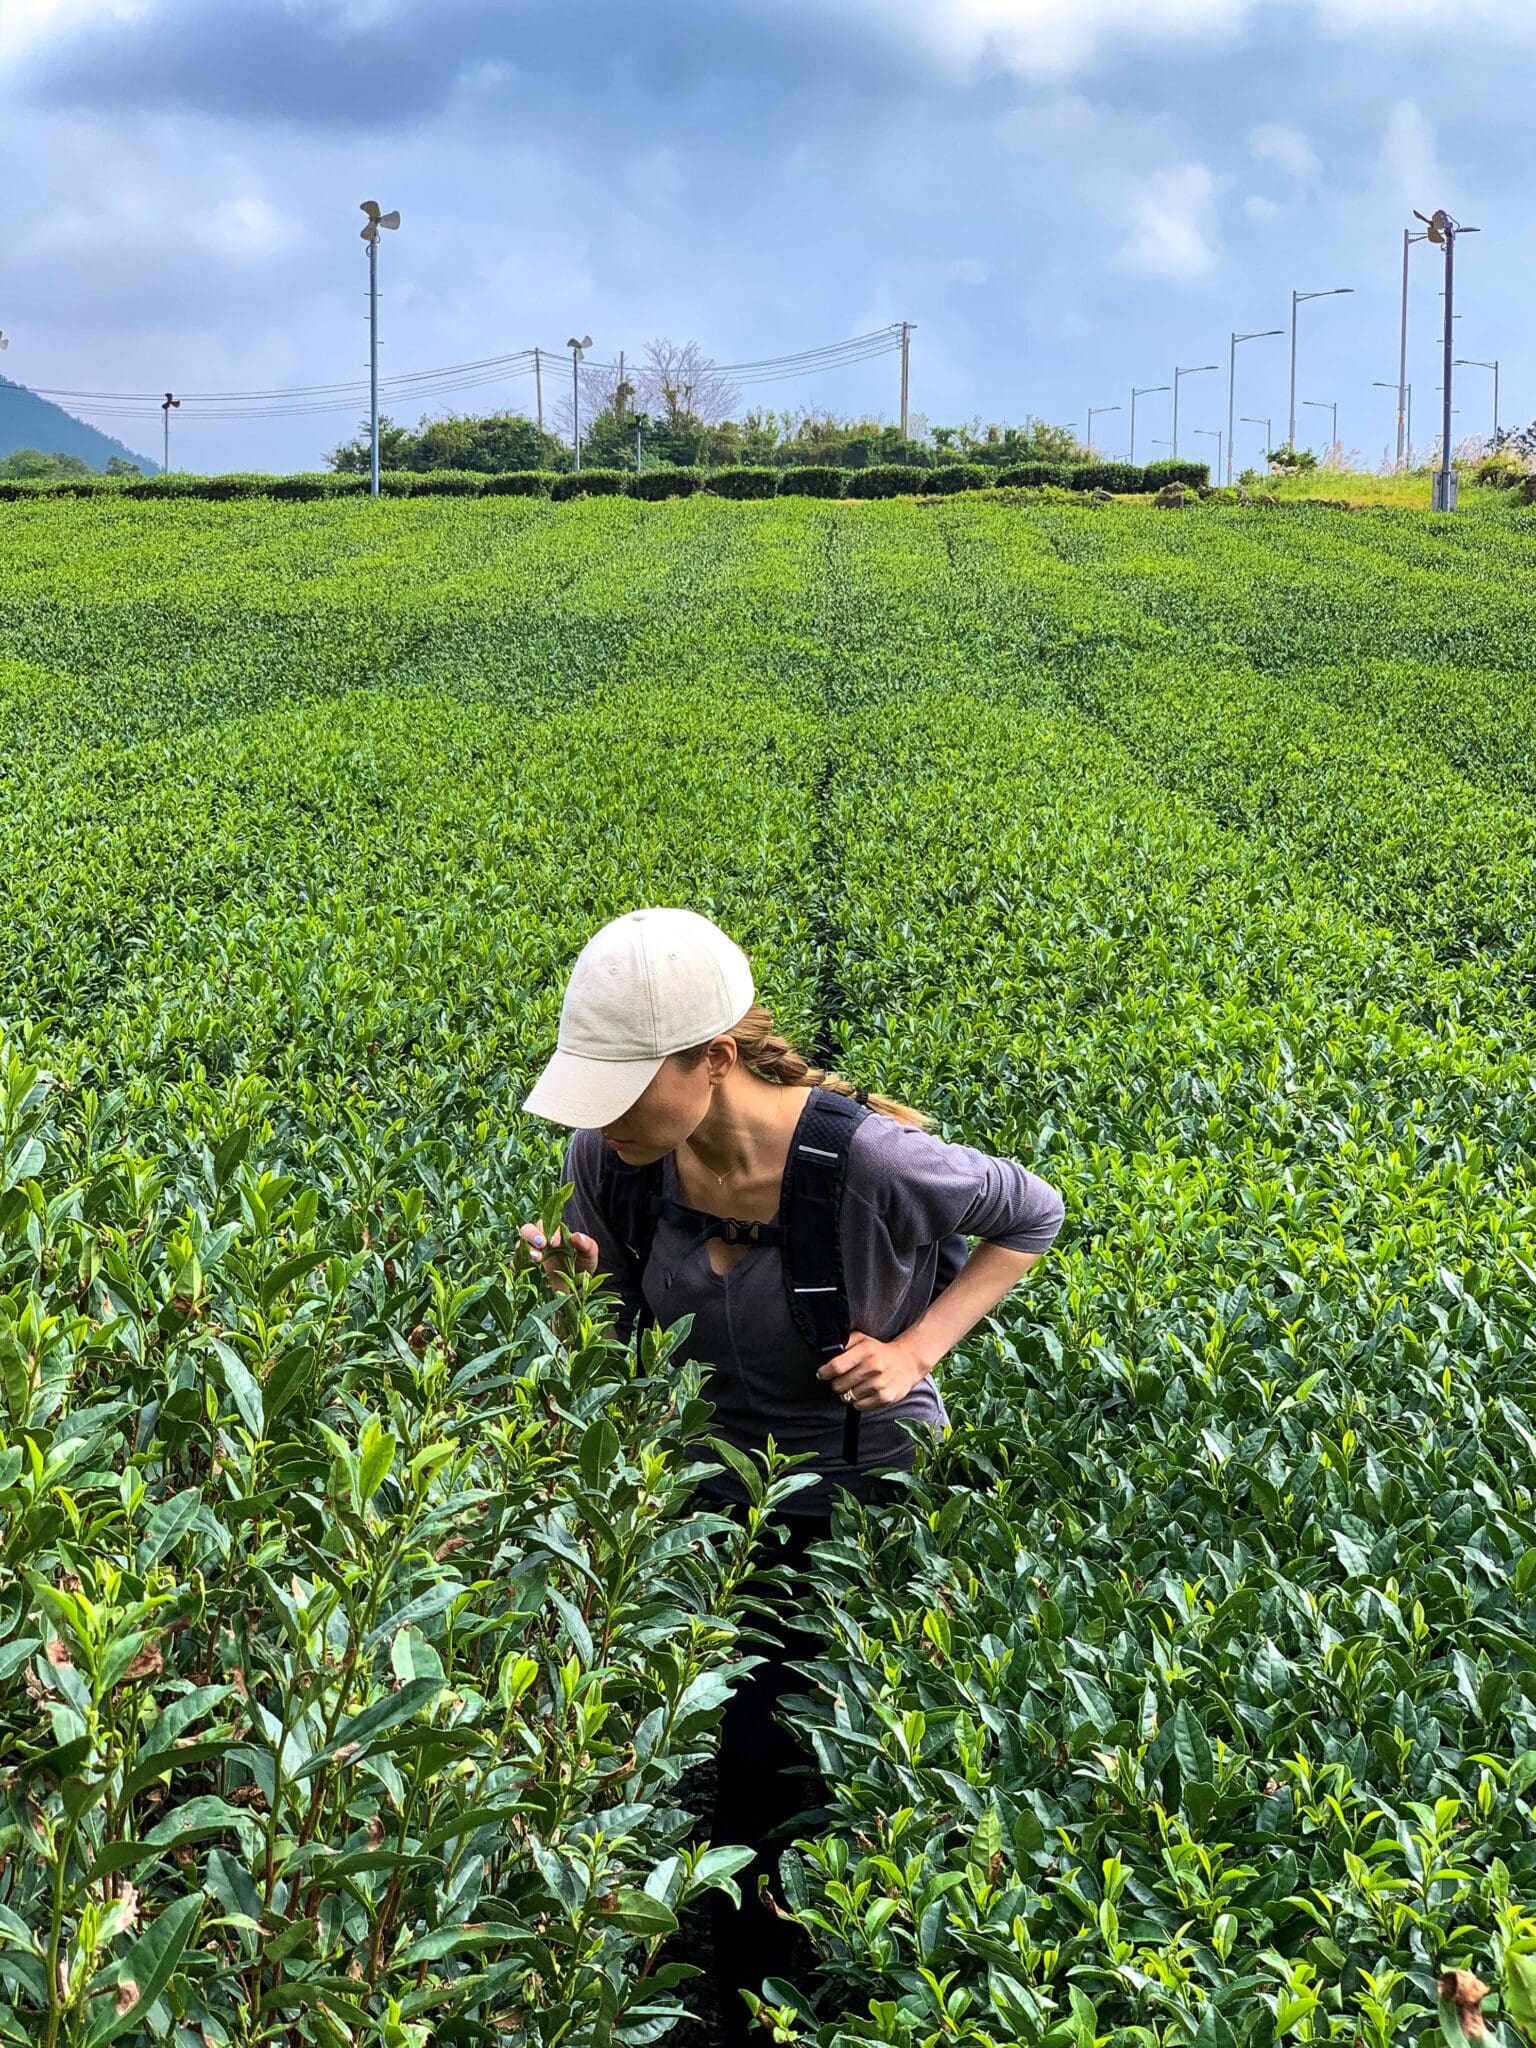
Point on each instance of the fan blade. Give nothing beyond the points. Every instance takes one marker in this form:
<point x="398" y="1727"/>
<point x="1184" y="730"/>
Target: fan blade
<point x="369" y="233"/>
<point x="389" y="220"/>
<point x="371" y="208"/>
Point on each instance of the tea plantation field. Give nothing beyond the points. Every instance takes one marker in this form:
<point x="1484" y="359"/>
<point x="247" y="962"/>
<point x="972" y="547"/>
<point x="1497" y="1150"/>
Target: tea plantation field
<point x="358" y="1630"/>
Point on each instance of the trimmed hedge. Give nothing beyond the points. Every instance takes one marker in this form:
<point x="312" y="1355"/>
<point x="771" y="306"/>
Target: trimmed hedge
<point x="1034" y="473"/>
<point x="319" y="483"/>
<point x="888" y="480"/>
<point x="959" y="476"/>
<point x="1108" y="476"/>
<point x="589" y="483"/>
<point x="813" y="480"/>
<point x="1196" y="474"/>
<point x="746" y="482"/>
<point x="654" y="484"/>
<point x="521" y="483"/>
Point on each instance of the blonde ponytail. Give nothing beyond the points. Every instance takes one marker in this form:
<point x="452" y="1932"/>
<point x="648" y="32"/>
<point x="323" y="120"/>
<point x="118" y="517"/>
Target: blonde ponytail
<point x="764" y="1052"/>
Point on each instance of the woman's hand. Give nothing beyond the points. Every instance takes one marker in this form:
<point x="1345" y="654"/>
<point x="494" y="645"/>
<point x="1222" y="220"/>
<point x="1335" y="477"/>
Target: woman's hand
<point x="876" y="1375"/>
<point x="556" y="1257"/>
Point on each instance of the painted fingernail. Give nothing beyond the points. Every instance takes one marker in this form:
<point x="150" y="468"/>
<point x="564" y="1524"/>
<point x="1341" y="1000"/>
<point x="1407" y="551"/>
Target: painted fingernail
<point x="538" y="1237"/>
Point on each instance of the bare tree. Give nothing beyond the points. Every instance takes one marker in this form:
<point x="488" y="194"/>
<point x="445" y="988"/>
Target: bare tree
<point x="600" y="392"/>
<point x="676" y="381"/>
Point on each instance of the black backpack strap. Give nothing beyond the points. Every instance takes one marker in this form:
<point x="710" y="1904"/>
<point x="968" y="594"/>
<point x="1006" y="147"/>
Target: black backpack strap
<point x="813" y="1252"/>
<point x="631" y="1197"/>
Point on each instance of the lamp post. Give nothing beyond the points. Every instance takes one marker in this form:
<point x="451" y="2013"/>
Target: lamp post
<point x="1135" y="394"/>
<point x="1330" y="405"/>
<point x="1193" y="371"/>
<point x="1475" y="363"/>
<point x="578" y="349"/>
<point x="1298" y="299"/>
<point x="370" y="234"/>
<point x="1442" y="230"/>
<point x="1258" y="334"/>
<point x="1098" y="409"/>
<point x="1404" y="418"/>
<point x="166" y="405"/>
<point x="1268" y="425"/>
<point x="1404" y="438"/>
<point x="1213" y="434"/>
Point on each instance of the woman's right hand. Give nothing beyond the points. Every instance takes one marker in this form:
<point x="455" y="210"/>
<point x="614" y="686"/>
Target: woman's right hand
<point x="556" y="1257"/>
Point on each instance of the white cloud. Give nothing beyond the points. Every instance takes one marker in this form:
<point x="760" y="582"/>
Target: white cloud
<point x="1407" y="161"/>
<point x="1257" y="207"/>
<point x="29" y="24"/>
<point x="1285" y="147"/>
<point x="1172" y="230"/>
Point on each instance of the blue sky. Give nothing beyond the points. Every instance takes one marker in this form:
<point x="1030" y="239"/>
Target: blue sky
<point x="1066" y="196"/>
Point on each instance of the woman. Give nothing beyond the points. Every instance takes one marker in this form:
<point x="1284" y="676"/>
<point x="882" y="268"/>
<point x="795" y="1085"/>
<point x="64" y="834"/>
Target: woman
<point x="664" y="1054"/>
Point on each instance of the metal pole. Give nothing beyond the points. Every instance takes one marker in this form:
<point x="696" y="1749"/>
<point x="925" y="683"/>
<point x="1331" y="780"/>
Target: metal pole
<point x="1290" y="433"/>
<point x="1402" y="364"/>
<point x="1174" y="444"/>
<point x="1231" y="383"/>
<point x="1495" y="398"/>
<point x="1445" y="430"/>
<point x="373" y="363"/>
<point x="906" y="330"/>
<point x="637" y="447"/>
<point x="538" y="387"/>
<point x="1133" y="423"/>
<point x="576" y="400"/>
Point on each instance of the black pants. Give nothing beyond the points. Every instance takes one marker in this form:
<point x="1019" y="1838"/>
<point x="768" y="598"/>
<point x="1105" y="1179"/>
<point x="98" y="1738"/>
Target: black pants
<point x="765" y="1778"/>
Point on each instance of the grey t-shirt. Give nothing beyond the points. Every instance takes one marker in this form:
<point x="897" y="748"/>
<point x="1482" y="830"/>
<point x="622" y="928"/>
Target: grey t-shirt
<point x="905" y="1190"/>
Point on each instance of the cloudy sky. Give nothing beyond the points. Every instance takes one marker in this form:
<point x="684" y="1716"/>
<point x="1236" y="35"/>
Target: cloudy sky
<point x="1065" y="196"/>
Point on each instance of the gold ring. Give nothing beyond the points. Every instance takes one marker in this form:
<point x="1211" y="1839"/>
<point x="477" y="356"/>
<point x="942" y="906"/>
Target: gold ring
<point x="847" y="1397"/>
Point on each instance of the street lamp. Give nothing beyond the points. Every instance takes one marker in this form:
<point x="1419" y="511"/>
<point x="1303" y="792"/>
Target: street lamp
<point x="1404" y="438"/>
<point x="1135" y="394"/>
<point x="1268" y="425"/>
<point x="1213" y="434"/>
<point x="1405" y="418"/>
<point x="1297" y="299"/>
<point x="166" y="405"/>
<point x="1098" y="409"/>
<point x="1328" y="405"/>
<point x="1442" y="230"/>
<point x="1194" y="371"/>
<point x="1258" y="334"/>
<point x="578" y="349"/>
<point x="1475" y="363"/>
<point x="370" y="235"/>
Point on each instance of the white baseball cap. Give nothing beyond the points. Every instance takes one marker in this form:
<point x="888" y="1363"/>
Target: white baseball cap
<point x="649" y="983"/>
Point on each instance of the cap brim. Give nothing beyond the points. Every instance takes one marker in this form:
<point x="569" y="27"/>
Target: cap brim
<point x="589" y="1093"/>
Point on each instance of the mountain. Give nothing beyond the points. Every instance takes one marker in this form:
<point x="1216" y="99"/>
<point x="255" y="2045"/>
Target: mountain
<point x="27" y="421"/>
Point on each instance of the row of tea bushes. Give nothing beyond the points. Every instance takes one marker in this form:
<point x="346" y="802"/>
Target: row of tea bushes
<point x="888" y="480"/>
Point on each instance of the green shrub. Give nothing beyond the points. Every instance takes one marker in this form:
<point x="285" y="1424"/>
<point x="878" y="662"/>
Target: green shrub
<point x="813" y="480"/>
<point x="653" y="484"/>
<point x="449" y="483"/>
<point x="745" y="482"/>
<point x="1196" y="474"/>
<point x="589" y="483"/>
<point x="520" y="483"/>
<point x="211" y="489"/>
<point x="960" y="476"/>
<point x="888" y="480"/>
<point x="1027" y="473"/>
<point x="319" y="483"/>
<point x="1500" y="471"/>
<point x="1107" y="476"/>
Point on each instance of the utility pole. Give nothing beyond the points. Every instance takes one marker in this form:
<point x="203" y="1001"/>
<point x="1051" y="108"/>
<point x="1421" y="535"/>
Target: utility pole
<point x="906" y="332"/>
<point x="538" y="387"/>
<point x="577" y="349"/>
<point x="165" y="413"/>
<point x="370" y="234"/>
<point x="1442" y="229"/>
